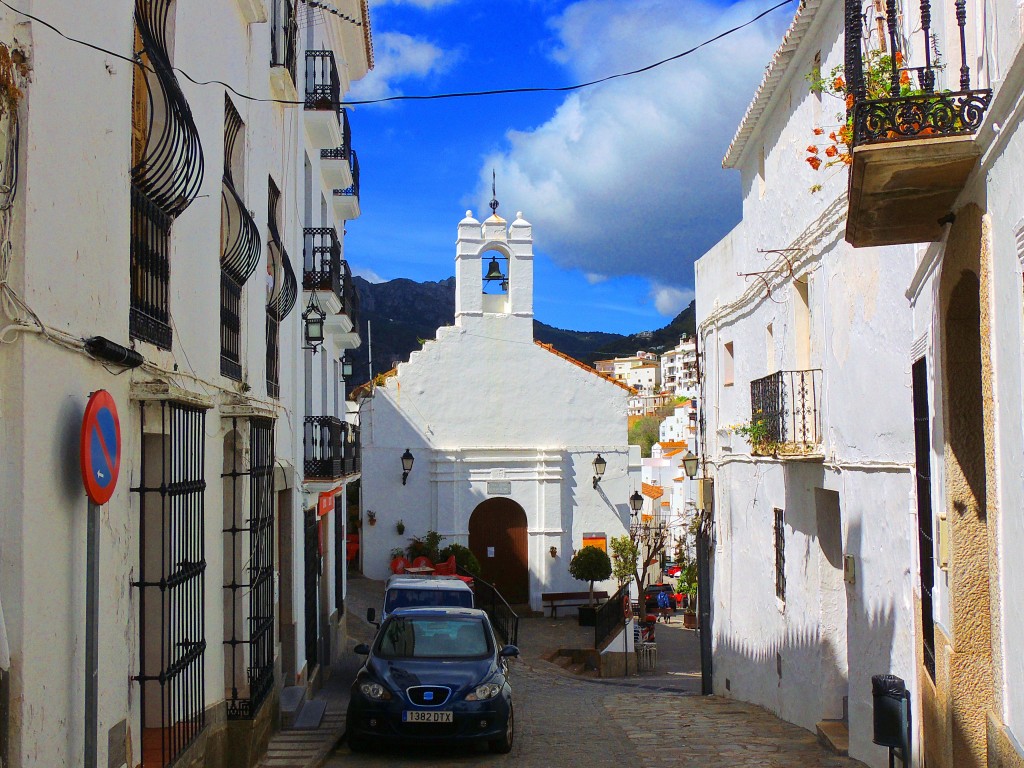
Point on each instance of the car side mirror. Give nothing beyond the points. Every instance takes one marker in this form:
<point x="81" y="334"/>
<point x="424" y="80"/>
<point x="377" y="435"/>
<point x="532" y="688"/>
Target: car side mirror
<point x="362" y="649"/>
<point x="508" y="650"/>
<point x="371" y="615"/>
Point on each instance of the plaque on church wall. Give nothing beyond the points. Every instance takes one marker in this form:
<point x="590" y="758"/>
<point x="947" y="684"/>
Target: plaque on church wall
<point x="499" y="488"/>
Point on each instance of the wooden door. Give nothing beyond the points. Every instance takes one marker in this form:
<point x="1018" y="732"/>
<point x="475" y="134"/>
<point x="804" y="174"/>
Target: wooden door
<point x="497" y="536"/>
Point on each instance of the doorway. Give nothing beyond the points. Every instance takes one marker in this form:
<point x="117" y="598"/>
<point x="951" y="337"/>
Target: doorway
<point x="498" y="539"/>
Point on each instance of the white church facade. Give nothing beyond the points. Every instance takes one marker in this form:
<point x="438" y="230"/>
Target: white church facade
<point x="504" y="432"/>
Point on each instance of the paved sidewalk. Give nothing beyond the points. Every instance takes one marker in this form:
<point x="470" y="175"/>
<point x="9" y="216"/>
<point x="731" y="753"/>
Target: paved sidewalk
<point x="309" y="749"/>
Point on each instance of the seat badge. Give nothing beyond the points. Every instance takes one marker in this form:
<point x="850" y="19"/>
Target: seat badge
<point x="428" y="696"/>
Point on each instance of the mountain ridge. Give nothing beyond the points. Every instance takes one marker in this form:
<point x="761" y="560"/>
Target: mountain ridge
<point x="399" y="315"/>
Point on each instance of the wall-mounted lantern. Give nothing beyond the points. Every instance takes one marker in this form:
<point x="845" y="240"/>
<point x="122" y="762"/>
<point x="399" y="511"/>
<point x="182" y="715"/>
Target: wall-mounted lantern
<point x="407" y="461"/>
<point x="313" y="324"/>
<point x="690" y="464"/>
<point x="599" y="466"/>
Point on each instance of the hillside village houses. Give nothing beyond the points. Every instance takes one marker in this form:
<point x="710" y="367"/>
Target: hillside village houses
<point x="679" y="369"/>
<point x="863" y="388"/>
<point x="507" y="470"/>
<point x="181" y="248"/>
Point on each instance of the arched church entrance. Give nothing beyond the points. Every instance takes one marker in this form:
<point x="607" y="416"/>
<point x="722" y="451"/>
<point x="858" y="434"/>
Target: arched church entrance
<point x="497" y="536"/>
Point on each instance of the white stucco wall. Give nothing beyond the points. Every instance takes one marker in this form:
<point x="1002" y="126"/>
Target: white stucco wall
<point x="800" y="657"/>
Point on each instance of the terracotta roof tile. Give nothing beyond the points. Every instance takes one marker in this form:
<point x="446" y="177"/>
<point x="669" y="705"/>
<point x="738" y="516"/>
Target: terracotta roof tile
<point x="652" y="491"/>
<point x="550" y="348"/>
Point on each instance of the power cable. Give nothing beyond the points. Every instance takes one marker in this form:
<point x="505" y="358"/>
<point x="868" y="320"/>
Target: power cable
<point x="428" y="97"/>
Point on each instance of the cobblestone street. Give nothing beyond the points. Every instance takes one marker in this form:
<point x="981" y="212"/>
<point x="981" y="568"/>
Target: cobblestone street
<point x="649" y="721"/>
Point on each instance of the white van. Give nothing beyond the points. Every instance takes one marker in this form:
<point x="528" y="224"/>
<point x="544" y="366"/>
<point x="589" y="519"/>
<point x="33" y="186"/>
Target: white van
<point x="405" y="591"/>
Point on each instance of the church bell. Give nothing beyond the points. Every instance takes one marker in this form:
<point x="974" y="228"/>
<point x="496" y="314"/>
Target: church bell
<point x="494" y="271"/>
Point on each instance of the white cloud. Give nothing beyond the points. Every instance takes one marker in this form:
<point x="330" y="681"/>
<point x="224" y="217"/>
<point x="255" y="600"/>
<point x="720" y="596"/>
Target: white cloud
<point x="593" y="278"/>
<point x="626" y="178"/>
<point x="367" y="274"/>
<point x="670" y="301"/>
<point x="397" y="57"/>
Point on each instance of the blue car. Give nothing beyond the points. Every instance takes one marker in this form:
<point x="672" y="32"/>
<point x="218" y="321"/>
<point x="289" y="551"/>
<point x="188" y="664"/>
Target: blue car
<point x="433" y="675"/>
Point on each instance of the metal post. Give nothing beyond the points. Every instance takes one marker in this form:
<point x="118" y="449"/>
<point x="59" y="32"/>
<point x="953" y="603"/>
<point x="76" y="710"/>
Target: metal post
<point x="92" y="588"/>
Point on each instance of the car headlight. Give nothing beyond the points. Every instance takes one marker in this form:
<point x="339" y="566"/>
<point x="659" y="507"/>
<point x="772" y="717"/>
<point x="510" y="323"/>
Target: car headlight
<point x="484" y="691"/>
<point x="375" y="691"/>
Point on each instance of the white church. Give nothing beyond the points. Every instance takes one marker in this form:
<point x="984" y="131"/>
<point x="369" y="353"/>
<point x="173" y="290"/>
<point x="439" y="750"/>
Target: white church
<point x="503" y="432"/>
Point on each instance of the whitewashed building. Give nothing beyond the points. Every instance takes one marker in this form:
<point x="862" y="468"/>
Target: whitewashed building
<point x="679" y="369"/>
<point x="503" y="431"/>
<point x="156" y="232"/>
<point x="809" y="437"/>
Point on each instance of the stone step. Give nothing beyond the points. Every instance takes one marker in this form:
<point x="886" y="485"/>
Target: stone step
<point x="292" y="699"/>
<point x="310" y="716"/>
<point x="834" y="736"/>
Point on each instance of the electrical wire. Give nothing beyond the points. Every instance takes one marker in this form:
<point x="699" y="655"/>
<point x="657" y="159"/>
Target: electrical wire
<point x="420" y="97"/>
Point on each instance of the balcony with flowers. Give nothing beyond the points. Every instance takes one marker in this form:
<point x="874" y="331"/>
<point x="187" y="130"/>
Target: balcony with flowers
<point x="907" y="136"/>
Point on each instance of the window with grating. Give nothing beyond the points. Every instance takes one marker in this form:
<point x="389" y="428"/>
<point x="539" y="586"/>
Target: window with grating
<point x="282" y="289"/>
<point x="240" y="244"/>
<point x="249" y="566"/>
<point x="172" y="568"/>
<point x="780" y="554"/>
<point x="166" y="172"/>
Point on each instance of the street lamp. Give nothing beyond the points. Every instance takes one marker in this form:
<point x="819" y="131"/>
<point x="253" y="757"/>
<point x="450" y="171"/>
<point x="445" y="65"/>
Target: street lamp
<point x="599" y="467"/>
<point x="346" y="367"/>
<point x="636" y="502"/>
<point x="407" y="460"/>
<point x="690" y="464"/>
<point x="313" y="319"/>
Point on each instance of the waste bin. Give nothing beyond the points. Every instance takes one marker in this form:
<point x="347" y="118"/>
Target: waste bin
<point x="888" y="693"/>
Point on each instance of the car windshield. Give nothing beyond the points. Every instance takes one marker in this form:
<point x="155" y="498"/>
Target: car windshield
<point x="426" y="598"/>
<point x="433" y="637"/>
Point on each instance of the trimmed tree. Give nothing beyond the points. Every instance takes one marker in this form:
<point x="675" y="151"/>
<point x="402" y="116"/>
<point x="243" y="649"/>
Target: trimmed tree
<point x="591" y="564"/>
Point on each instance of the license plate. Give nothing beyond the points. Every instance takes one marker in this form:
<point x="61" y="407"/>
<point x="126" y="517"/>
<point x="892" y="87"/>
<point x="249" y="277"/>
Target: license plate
<point x="416" y="716"/>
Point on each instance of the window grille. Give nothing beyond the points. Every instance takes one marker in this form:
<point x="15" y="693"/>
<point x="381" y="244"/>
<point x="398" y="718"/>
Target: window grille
<point x="240" y="245"/>
<point x="167" y="171"/>
<point x="172" y="567"/>
<point x="249" y="550"/>
<point x="925" y="537"/>
<point x="282" y="290"/>
<point x="780" y="554"/>
<point x="311" y="565"/>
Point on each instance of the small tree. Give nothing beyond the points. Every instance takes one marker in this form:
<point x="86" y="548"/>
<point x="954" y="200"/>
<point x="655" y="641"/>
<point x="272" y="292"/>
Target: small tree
<point x="591" y="564"/>
<point x="636" y="553"/>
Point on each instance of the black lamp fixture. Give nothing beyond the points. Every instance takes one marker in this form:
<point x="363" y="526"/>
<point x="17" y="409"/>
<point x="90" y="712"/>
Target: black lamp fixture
<point x="407" y="460"/>
<point x="599" y="467"/>
<point x="346" y="367"/>
<point x="690" y="464"/>
<point x="636" y="502"/>
<point x="313" y="323"/>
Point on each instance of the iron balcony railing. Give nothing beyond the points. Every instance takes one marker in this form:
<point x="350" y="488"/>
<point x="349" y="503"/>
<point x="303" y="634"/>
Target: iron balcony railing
<point x="910" y="109"/>
<point x="321" y="260"/>
<point x="282" y="36"/>
<point x="323" y="443"/>
<point x="349" y="297"/>
<point x="343" y="151"/>
<point x="785" y="409"/>
<point x="352" y="191"/>
<point x="353" y="456"/>
<point x="323" y="86"/>
<point x="610" y="616"/>
<point x="487" y="597"/>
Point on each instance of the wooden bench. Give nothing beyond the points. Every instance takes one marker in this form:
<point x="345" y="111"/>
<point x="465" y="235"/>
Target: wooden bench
<point x="570" y="599"/>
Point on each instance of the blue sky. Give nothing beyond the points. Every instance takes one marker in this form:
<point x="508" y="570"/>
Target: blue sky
<point x="622" y="182"/>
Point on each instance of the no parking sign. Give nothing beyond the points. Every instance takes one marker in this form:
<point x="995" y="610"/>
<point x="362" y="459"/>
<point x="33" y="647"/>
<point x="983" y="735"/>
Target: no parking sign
<point x="100" y="447"/>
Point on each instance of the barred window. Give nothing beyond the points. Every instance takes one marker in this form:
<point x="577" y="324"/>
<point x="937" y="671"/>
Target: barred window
<point x="248" y="489"/>
<point x="172" y="568"/>
<point x="240" y="245"/>
<point x="166" y="173"/>
<point x="780" y="554"/>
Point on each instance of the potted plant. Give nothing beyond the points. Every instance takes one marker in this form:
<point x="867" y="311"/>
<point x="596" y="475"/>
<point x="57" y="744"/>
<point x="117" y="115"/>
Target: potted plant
<point x="400" y="527"/>
<point x="590" y="564"/>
